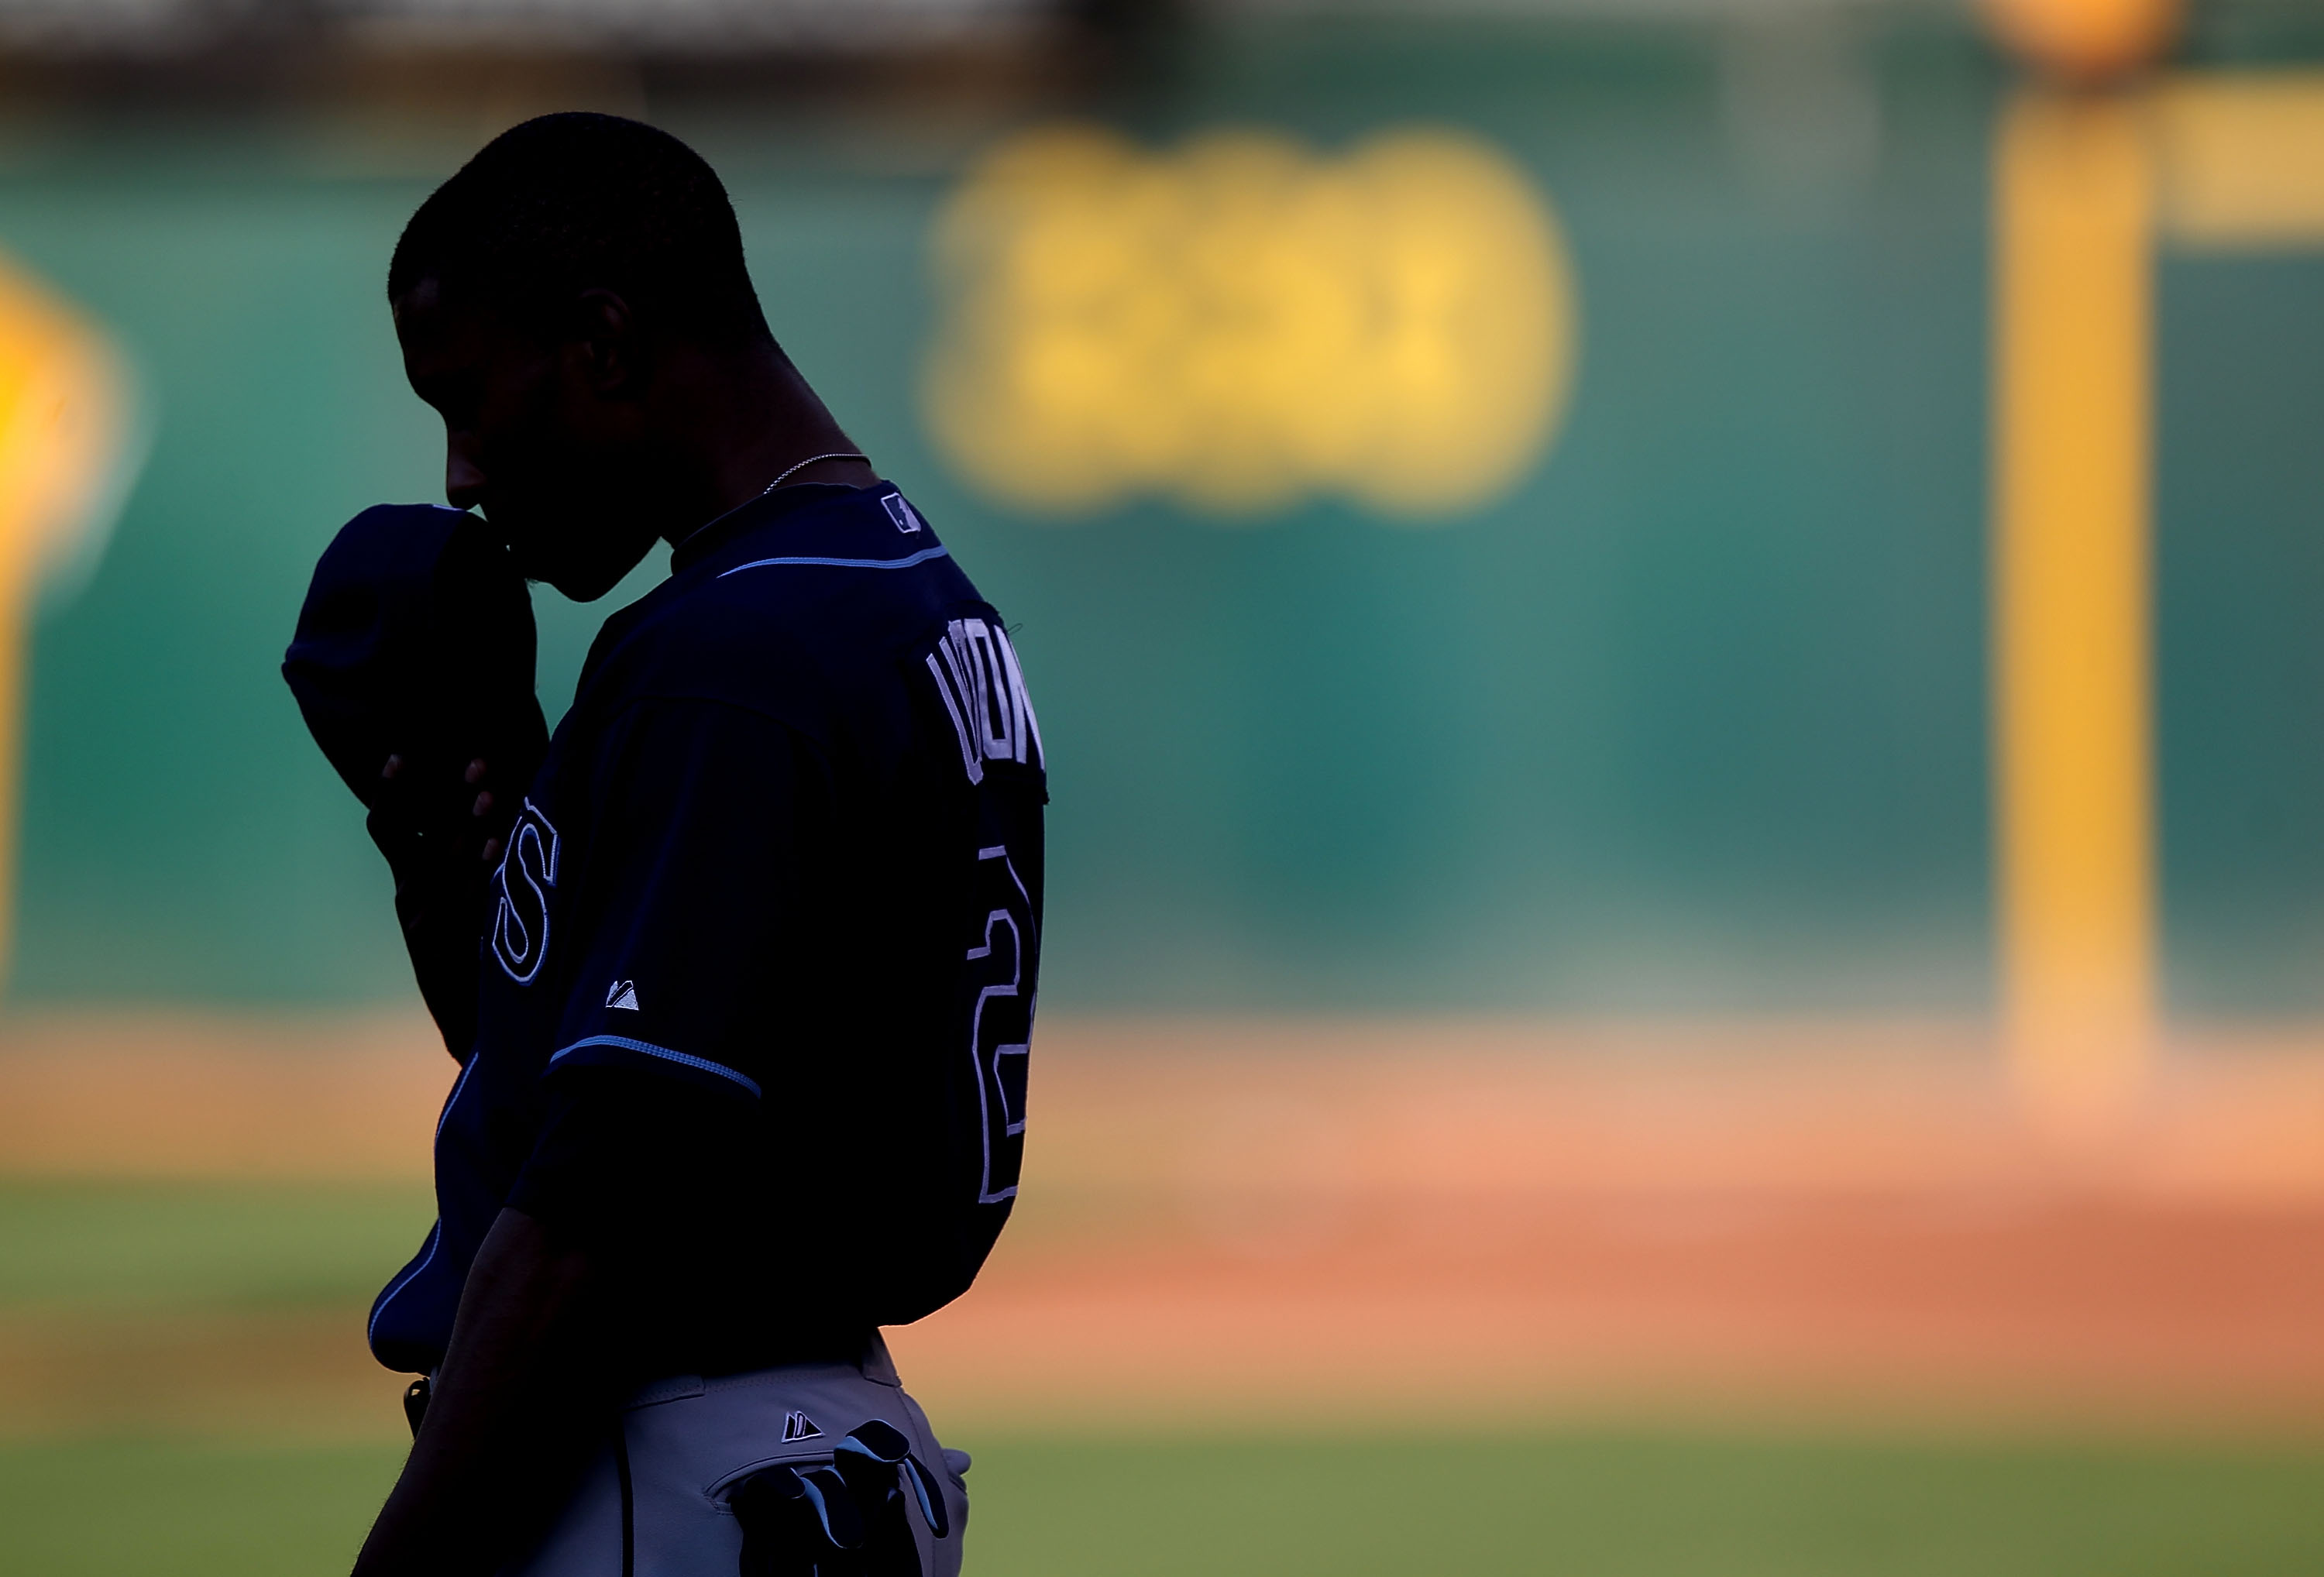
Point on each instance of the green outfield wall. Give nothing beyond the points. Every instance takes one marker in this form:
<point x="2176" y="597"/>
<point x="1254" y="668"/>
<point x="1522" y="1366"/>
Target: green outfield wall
<point x="1689" y="714"/>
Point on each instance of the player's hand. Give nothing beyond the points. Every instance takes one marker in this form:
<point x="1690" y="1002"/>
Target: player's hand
<point x="478" y="774"/>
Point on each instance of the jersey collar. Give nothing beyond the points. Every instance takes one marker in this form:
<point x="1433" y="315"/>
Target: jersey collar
<point x="764" y="511"/>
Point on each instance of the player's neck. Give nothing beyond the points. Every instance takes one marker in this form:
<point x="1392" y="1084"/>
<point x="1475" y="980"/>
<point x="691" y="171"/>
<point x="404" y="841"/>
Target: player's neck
<point x="743" y="420"/>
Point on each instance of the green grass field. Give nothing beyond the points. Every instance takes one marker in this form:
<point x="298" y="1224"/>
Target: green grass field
<point x="1603" y="1504"/>
<point x="155" y="1499"/>
<point x="128" y="1248"/>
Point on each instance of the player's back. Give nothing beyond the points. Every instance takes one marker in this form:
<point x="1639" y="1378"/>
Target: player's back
<point x="912" y="937"/>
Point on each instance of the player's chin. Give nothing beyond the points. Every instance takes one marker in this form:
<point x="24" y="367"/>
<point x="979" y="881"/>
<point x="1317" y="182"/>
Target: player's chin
<point x="580" y="544"/>
<point x="583" y="570"/>
<point x="587" y="586"/>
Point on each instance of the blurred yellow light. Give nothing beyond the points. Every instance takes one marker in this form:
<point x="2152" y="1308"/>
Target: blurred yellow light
<point x="1242" y="324"/>
<point x="2085" y="37"/>
<point x="63" y="423"/>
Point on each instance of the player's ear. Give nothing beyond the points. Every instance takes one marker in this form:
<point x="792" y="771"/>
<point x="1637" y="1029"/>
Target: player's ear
<point x="605" y="335"/>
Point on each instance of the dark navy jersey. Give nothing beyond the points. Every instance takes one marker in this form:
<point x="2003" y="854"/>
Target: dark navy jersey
<point x="775" y="894"/>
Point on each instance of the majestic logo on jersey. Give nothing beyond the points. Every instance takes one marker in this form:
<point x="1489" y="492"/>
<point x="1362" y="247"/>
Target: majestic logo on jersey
<point x="527" y="873"/>
<point x="798" y="1426"/>
<point x="906" y="520"/>
<point x="984" y="690"/>
<point x="623" y="993"/>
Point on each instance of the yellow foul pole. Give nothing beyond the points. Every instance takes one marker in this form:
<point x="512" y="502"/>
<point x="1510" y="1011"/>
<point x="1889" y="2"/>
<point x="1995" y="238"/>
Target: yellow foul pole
<point x="2071" y="617"/>
<point x="62" y="424"/>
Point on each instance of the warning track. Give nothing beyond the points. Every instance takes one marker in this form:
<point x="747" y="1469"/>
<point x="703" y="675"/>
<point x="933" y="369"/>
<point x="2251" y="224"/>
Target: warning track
<point x="1416" y="1224"/>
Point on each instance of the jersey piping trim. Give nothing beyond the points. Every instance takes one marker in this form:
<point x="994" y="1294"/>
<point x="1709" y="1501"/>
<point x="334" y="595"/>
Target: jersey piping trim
<point x="922" y="556"/>
<point x="435" y="1232"/>
<point x="452" y="1099"/>
<point x="650" y="1049"/>
<point x="435" y="1242"/>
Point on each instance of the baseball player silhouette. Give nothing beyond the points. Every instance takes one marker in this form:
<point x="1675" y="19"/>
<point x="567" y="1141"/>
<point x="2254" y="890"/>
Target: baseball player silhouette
<point x="739" y="965"/>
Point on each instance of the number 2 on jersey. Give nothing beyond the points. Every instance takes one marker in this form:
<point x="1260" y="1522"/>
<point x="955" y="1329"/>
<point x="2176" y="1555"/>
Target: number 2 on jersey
<point x="1000" y="1023"/>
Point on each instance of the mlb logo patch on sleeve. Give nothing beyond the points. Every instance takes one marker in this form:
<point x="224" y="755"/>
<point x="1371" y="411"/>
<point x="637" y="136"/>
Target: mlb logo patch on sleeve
<point x="901" y="513"/>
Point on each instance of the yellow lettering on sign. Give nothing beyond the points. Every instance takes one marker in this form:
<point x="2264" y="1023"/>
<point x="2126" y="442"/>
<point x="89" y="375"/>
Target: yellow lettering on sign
<point x="1242" y="324"/>
<point x="63" y="422"/>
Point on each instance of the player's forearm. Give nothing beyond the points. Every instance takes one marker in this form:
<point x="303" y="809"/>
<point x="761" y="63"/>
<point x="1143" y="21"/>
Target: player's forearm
<point x="511" y="1421"/>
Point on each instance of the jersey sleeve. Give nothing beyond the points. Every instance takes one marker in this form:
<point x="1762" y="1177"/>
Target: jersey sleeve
<point x="687" y="920"/>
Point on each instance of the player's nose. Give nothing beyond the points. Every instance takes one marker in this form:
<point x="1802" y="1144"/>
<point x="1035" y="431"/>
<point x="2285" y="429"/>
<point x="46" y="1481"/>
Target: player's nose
<point x="463" y="479"/>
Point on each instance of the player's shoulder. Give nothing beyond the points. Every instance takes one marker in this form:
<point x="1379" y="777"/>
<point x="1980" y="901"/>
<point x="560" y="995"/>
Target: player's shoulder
<point x="789" y="611"/>
<point x="860" y="560"/>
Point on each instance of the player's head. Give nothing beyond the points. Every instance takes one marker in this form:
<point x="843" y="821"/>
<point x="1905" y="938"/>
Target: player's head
<point x="536" y="295"/>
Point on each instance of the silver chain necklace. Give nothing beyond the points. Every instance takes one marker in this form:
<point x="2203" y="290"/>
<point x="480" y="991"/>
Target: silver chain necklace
<point x="803" y="465"/>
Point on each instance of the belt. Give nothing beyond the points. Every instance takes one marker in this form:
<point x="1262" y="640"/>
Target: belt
<point x="867" y="1351"/>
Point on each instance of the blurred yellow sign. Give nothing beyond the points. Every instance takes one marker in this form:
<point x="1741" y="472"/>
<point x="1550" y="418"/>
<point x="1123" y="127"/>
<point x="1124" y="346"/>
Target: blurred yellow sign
<point x="63" y="430"/>
<point x="1242" y="323"/>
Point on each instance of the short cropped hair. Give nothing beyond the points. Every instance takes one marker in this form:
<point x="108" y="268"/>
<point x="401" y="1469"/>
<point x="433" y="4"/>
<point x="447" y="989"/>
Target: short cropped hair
<point x="567" y="203"/>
